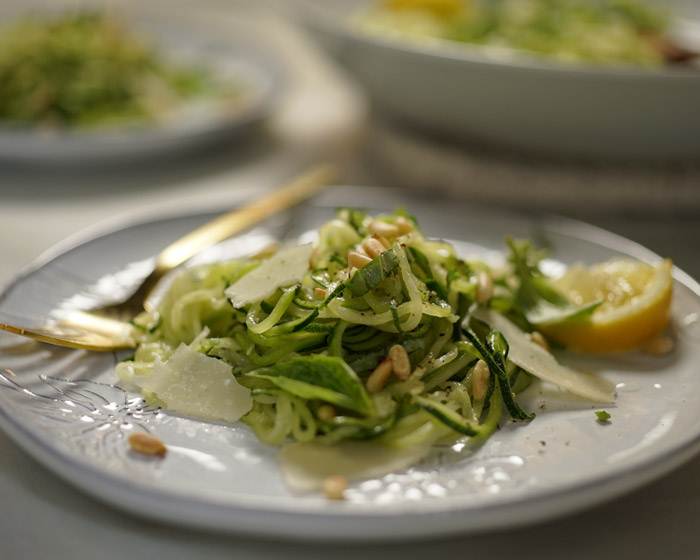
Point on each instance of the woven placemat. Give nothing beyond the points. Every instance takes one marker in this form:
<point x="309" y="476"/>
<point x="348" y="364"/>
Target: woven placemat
<point x="402" y="156"/>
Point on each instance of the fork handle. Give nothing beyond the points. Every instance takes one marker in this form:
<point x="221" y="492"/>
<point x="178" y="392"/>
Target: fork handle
<point x="238" y="220"/>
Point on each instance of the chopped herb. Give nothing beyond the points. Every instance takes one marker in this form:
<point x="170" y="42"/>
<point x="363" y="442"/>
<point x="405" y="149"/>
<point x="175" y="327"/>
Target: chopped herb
<point x="369" y="277"/>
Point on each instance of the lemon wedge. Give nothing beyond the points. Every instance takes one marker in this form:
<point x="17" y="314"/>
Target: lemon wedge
<point x="636" y="305"/>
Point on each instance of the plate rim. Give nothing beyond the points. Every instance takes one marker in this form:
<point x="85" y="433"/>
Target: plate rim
<point x="623" y="478"/>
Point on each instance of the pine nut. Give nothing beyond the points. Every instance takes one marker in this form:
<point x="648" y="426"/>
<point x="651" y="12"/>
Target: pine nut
<point x="326" y="412"/>
<point x="480" y="380"/>
<point x="147" y="444"/>
<point x="660" y="346"/>
<point x="378" y="378"/>
<point x="383" y="229"/>
<point x="383" y="240"/>
<point x="358" y="260"/>
<point x="334" y="487"/>
<point x="540" y="340"/>
<point x="320" y="293"/>
<point x="484" y="287"/>
<point x="404" y="226"/>
<point x="400" y="361"/>
<point x="373" y="247"/>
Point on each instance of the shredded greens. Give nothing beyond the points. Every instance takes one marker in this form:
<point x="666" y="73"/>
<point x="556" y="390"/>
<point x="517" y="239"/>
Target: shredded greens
<point x="580" y="31"/>
<point x="85" y="69"/>
<point x="308" y="335"/>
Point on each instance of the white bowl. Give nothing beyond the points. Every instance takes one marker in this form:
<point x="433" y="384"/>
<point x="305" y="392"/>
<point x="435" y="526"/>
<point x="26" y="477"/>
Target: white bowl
<point x="517" y="101"/>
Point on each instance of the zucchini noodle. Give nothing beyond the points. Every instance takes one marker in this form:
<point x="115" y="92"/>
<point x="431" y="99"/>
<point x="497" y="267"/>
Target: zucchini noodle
<point x="259" y="327"/>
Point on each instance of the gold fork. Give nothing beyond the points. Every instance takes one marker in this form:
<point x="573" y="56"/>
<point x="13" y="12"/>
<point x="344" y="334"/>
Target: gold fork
<point x="106" y="329"/>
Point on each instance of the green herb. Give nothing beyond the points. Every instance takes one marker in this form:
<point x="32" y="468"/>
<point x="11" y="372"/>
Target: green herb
<point x="535" y="298"/>
<point x="369" y="277"/>
<point x="420" y="265"/>
<point x="603" y="416"/>
<point x="327" y="378"/>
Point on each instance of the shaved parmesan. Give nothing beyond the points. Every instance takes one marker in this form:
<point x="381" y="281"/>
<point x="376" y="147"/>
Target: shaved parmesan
<point x="283" y="269"/>
<point x="196" y="385"/>
<point x="306" y="465"/>
<point x="540" y="363"/>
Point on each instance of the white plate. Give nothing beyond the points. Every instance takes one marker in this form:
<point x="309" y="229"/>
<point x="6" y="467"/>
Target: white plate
<point x="61" y="406"/>
<point x="515" y="101"/>
<point x="239" y="58"/>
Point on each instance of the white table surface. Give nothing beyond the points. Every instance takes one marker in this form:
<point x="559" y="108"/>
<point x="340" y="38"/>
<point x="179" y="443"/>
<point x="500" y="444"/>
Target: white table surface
<point x="321" y="117"/>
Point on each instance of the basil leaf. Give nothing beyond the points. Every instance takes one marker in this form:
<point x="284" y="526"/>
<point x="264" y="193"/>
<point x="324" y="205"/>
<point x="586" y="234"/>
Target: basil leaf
<point x="327" y="378"/>
<point x="369" y="277"/>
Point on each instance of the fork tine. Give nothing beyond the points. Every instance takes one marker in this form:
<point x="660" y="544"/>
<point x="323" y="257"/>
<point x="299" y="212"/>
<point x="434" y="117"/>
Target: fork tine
<point x="90" y="322"/>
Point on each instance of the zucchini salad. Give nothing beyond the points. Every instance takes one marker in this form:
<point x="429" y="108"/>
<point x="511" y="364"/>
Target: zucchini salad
<point x="377" y="340"/>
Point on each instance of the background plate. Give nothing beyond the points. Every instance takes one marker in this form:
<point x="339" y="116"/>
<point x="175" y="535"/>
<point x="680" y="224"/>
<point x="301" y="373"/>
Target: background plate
<point x="61" y="406"/>
<point x="237" y="57"/>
